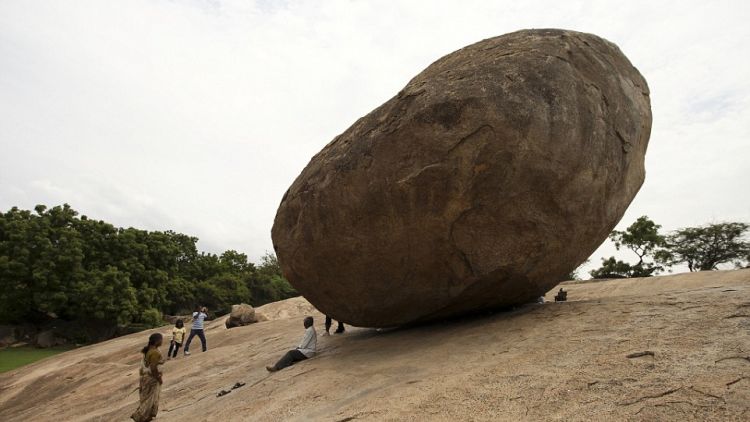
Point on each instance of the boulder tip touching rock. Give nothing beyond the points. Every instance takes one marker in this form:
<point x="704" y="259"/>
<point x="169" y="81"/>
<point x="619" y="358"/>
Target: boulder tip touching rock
<point x="489" y="177"/>
<point x="242" y="314"/>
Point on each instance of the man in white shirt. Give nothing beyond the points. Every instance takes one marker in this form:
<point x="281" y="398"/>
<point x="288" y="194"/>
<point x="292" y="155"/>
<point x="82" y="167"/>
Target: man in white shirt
<point x="199" y="315"/>
<point x="306" y="348"/>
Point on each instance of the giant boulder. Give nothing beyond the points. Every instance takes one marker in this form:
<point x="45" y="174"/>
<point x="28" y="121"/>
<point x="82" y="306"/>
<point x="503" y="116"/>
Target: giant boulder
<point x="489" y="177"/>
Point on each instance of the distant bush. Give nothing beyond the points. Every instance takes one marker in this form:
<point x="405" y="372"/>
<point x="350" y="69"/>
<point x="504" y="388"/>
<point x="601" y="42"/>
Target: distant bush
<point x="152" y="318"/>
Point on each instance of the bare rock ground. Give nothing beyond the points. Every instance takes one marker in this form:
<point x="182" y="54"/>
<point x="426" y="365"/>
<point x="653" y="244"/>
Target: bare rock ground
<point x="665" y="348"/>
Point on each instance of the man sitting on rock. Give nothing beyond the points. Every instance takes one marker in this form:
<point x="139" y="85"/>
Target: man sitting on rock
<point x="306" y="348"/>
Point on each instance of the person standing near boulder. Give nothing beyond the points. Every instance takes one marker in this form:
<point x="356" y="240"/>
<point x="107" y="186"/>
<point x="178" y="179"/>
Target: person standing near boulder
<point x="178" y="337"/>
<point x="151" y="380"/>
<point x="339" y="330"/>
<point x="305" y="350"/>
<point x="197" y="329"/>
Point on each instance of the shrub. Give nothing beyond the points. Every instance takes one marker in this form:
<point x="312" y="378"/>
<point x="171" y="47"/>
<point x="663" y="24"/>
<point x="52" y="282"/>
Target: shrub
<point x="152" y="318"/>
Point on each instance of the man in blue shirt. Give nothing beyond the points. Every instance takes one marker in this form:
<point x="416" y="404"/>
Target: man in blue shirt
<point x="197" y="329"/>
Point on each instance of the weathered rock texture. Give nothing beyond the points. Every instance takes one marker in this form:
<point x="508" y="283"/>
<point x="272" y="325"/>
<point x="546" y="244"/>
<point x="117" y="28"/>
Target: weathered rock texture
<point x="242" y="314"/>
<point x="564" y="362"/>
<point x="489" y="177"/>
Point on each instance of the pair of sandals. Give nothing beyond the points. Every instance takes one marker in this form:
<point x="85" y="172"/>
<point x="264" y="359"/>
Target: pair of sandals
<point x="234" y="387"/>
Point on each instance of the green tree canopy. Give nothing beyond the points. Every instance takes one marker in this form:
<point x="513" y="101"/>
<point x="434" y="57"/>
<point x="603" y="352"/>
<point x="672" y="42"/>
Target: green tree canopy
<point x="55" y="264"/>
<point x="614" y="268"/>
<point x="704" y="248"/>
<point x="642" y="238"/>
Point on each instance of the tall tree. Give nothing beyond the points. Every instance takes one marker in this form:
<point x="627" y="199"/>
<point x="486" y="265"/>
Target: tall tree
<point x="642" y="238"/>
<point x="269" y="264"/>
<point x="704" y="248"/>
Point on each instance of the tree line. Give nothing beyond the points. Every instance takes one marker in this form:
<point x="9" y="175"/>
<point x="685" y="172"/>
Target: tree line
<point x="701" y="248"/>
<point x="55" y="264"/>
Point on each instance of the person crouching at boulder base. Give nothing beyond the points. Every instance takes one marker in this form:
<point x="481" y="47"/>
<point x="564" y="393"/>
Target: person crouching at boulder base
<point x="151" y="381"/>
<point x="561" y="296"/>
<point x="305" y="350"/>
<point x="197" y="329"/>
<point x="339" y="330"/>
<point x="178" y="337"/>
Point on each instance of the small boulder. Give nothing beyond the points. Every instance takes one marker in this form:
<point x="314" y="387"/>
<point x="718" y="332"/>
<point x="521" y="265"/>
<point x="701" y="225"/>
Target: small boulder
<point x="7" y="335"/>
<point x="242" y="314"/>
<point x="47" y="339"/>
<point x="26" y="332"/>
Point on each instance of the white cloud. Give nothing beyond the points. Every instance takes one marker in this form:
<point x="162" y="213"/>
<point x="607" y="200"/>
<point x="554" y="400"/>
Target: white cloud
<point x="196" y="115"/>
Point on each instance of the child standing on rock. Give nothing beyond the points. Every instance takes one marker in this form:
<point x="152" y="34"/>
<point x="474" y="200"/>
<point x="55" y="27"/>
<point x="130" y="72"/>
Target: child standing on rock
<point x="178" y="337"/>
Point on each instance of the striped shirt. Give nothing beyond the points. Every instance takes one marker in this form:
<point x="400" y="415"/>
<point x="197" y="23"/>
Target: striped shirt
<point x="198" y="318"/>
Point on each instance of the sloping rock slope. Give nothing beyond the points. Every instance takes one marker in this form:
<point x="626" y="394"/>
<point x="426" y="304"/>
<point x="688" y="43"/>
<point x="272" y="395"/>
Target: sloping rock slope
<point x="557" y="361"/>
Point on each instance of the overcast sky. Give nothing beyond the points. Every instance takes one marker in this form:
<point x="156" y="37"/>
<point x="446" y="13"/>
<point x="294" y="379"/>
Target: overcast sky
<point x="196" y="115"/>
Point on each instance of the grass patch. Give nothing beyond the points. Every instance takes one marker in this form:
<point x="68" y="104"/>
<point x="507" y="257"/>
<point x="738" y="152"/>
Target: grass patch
<point x="14" y="357"/>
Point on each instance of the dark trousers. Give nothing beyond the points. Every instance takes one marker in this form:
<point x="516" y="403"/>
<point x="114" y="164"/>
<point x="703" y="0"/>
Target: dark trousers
<point x="174" y="346"/>
<point x="200" y="335"/>
<point x="289" y="358"/>
<point x="340" y="328"/>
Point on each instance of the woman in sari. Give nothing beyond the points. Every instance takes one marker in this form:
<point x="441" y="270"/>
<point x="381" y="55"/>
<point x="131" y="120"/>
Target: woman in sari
<point x="151" y="381"/>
